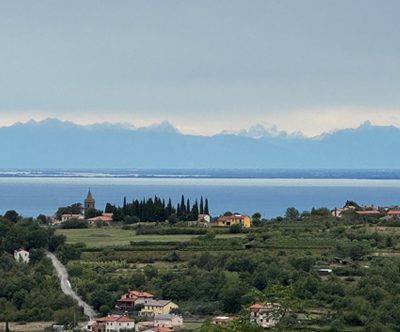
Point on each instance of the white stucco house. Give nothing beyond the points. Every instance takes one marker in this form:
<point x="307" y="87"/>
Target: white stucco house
<point x="21" y="255"/>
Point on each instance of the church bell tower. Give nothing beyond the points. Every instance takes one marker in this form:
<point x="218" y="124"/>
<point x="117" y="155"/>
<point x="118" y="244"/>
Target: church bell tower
<point x="89" y="202"/>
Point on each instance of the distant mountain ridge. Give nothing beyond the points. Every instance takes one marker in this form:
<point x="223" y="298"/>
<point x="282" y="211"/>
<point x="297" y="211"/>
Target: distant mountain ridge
<point x="52" y="143"/>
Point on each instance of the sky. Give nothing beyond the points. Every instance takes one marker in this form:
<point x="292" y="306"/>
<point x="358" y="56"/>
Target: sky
<point x="205" y="66"/>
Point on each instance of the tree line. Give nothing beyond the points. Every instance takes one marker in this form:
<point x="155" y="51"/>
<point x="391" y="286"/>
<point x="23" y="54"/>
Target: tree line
<point x="154" y="210"/>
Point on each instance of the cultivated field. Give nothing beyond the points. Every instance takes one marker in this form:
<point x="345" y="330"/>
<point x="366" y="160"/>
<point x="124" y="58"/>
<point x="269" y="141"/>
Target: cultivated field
<point x="111" y="237"/>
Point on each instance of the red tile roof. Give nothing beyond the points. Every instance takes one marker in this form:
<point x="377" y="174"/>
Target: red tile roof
<point x="161" y="329"/>
<point x="127" y="299"/>
<point x="141" y="294"/>
<point x="113" y="318"/>
<point x="233" y="216"/>
<point x="258" y="306"/>
<point x="103" y="218"/>
<point x="368" y="212"/>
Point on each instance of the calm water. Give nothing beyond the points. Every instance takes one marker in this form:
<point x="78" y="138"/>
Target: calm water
<point x="270" y="197"/>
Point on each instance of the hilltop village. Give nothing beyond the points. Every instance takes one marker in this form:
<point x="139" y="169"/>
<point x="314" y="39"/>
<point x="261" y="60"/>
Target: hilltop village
<point x="151" y="266"/>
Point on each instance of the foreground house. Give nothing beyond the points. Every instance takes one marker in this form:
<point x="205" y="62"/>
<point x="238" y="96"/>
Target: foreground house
<point x="173" y="321"/>
<point x="68" y="216"/>
<point x="264" y="315"/>
<point x="156" y="307"/>
<point x="105" y="217"/>
<point x="112" y="323"/>
<point x="234" y="219"/>
<point x="21" y="255"/>
<point x="130" y="299"/>
<point x="219" y="320"/>
<point x="203" y="217"/>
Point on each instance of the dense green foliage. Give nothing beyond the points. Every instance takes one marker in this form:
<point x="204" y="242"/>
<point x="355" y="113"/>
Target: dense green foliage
<point x="17" y="232"/>
<point x="30" y="292"/>
<point x="75" y="208"/>
<point x="74" y="223"/>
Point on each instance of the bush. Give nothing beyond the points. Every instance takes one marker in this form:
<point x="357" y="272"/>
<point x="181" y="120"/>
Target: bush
<point x="74" y="223"/>
<point x="169" y="230"/>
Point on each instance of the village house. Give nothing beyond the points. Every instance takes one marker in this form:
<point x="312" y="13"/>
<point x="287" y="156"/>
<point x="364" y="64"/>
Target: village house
<point x="21" y="255"/>
<point x="144" y="325"/>
<point x="68" y="216"/>
<point x="263" y="315"/>
<point x="203" y="217"/>
<point x="393" y="213"/>
<point x="234" y="219"/>
<point x="130" y="299"/>
<point x="105" y="217"/>
<point x="174" y="321"/>
<point x="338" y="212"/>
<point x="374" y="213"/>
<point x="159" y="329"/>
<point x="219" y="320"/>
<point x="112" y="323"/>
<point x="156" y="307"/>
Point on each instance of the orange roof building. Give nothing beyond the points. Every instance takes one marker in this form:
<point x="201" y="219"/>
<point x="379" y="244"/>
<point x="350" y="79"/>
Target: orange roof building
<point x="113" y="323"/>
<point x="241" y="219"/>
<point x="130" y="299"/>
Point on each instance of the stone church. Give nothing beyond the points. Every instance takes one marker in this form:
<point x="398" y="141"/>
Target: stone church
<point x="89" y="201"/>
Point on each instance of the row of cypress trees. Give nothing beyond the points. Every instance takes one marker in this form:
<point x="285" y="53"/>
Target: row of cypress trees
<point x="157" y="210"/>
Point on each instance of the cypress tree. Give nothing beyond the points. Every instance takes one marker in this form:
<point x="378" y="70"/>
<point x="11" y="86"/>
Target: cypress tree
<point x="206" y="207"/>
<point x="183" y="207"/>
<point x="188" y="206"/>
<point x="201" y="205"/>
<point x="195" y="211"/>
<point x="169" y="207"/>
<point x="124" y="210"/>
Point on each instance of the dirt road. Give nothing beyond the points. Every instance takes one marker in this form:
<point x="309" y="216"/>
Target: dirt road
<point x="66" y="286"/>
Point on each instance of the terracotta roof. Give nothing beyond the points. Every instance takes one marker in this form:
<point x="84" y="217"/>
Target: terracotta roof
<point x="103" y="218"/>
<point x="141" y="294"/>
<point x="127" y="299"/>
<point x="125" y="319"/>
<point x="161" y="329"/>
<point x="202" y="215"/>
<point x="368" y="212"/>
<point x="233" y="216"/>
<point x="393" y="212"/>
<point x="115" y="318"/>
<point x="262" y="306"/>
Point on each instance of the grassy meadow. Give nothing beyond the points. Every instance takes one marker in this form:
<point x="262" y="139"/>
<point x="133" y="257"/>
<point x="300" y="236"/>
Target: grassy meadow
<point x="117" y="237"/>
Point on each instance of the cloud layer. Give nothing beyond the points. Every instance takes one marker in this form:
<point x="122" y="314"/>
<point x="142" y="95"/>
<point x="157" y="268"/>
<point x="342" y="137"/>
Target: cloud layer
<point x="307" y="66"/>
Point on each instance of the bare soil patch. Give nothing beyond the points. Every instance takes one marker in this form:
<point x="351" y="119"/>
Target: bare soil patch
<point x="31" y="326"/>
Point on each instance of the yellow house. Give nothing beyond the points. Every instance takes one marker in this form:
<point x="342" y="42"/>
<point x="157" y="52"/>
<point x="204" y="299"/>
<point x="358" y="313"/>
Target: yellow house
<point x="242" y="219"/>
<point x="157" y="307"/>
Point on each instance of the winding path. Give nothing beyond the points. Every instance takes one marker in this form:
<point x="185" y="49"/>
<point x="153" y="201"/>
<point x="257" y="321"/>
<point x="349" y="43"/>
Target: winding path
<point x="66" y="286"/>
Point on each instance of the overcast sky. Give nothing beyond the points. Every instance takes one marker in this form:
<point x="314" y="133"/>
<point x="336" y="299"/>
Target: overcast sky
<point x="204" y="66"/>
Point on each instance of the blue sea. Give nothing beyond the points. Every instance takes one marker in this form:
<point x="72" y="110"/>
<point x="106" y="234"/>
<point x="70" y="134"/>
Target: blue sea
<point x="31" y="196"/>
